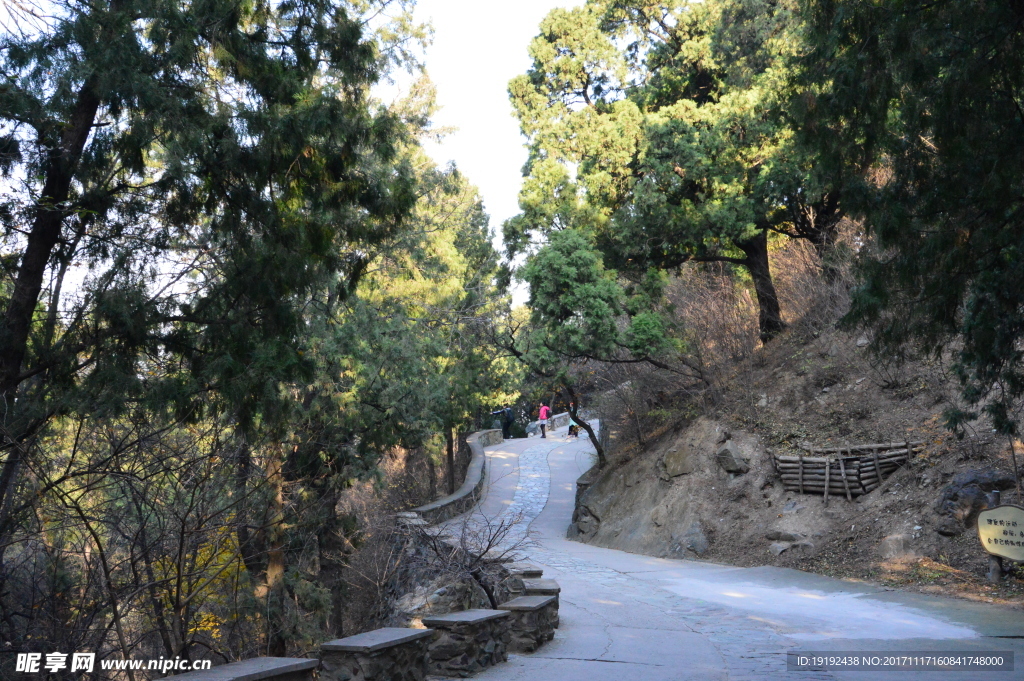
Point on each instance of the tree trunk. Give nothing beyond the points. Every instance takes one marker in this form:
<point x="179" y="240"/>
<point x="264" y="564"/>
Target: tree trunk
<point x="449" y="441"/>
<point x="333" y="547"/>
<point x="50" y="210"/>
<point x="826" y="215"/>
<point x="769" y="318"/>
<point x="432" y="474"/>
<point x="251" y="548"/>
<point x="277" y="646"/>
<point x="602" y="461"/>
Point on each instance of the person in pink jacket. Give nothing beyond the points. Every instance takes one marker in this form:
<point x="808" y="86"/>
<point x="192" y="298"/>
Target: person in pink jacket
<point x="542" y="418"/>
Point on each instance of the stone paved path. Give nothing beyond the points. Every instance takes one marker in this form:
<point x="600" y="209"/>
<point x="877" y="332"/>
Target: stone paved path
<point x="626" y="616"/>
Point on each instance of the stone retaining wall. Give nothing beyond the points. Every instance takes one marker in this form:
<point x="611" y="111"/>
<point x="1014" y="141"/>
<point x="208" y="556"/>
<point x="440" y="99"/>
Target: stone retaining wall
<point x="467" y="495"/>
<point x="584" y="523"/>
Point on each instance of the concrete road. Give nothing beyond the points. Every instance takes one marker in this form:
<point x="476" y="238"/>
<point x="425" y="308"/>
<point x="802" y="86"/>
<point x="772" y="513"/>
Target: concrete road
<point x="626" y="616"/>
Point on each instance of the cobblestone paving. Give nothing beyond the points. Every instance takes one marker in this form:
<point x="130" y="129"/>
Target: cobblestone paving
<point x="533" y="488"/>
<point x="750" y="651"/>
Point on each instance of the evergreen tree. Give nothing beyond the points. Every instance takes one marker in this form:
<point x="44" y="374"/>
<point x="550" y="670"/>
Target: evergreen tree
<point x="923" y="99"/>
<point x="208" y="165"/>
<point x="659" y="129"/>
<point x="581" y="313"/>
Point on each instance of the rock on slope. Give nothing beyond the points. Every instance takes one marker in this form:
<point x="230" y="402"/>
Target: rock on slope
<point x="698" y="486"/>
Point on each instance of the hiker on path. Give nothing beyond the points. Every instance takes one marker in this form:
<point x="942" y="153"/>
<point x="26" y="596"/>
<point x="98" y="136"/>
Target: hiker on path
<point x="506" y="424"/>
<point x="542" y="418"/>
<point x="574" y="427"/>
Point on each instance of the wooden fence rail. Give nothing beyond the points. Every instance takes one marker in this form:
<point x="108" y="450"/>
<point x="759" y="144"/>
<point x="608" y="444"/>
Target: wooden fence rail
<point x="843" y="471"/>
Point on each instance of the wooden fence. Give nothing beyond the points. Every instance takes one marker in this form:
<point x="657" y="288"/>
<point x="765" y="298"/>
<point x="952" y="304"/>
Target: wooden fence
<point x="839" y="471"/>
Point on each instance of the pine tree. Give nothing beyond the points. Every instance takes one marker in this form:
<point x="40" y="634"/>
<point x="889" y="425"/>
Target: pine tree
<point x="659" y="128"/>
<point x="923" y="101"/>
<point x="209" y="165"/>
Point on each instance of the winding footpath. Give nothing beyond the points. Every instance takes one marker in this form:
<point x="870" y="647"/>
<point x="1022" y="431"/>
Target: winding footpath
<point x="628" y="617"/>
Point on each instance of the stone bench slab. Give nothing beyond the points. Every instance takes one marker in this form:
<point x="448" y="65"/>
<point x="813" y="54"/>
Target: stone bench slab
<point x="256" y="669"/>
<point x="528" y="603"/>
<point x="474" y="616"/>
<point x="378" y="639"/>
<point x="541" y="587"/>
<point x="525" y="570"/>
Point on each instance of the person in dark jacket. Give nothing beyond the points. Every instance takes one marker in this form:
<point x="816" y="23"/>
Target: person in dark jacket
<point x="507" y="417"/>
<point x="510" y="418"/>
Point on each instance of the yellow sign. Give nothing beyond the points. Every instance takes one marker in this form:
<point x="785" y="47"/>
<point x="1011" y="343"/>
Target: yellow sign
<point x="1001" y="531"/>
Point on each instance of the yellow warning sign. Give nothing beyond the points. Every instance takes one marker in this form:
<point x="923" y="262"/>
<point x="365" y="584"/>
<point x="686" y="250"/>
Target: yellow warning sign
<point x="1001" y="531"/>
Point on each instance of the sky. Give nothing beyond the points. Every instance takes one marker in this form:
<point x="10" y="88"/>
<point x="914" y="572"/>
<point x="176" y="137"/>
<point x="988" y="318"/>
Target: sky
<point x="478" y="48"/>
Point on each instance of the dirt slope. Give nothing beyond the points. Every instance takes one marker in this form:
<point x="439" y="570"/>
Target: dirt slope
<point x="675" y="498"/>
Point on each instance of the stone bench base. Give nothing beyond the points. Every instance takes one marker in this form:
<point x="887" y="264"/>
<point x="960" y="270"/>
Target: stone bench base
<point x="467" y="642"/>
<point x="389" y="654"/>
<point x="533" y="621"/>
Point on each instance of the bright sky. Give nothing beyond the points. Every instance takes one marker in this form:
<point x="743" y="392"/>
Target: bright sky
<point x="478" y="47"/>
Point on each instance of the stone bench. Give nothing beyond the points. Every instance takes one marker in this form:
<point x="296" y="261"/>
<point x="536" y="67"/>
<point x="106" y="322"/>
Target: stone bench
<point x="469" y="641"/>
<point x="257" y="669"/>
<point x="389" y="654"/>
<point x="525" y="570"/>
<point x="532" y="623"/>
<point x="541" y="587"/>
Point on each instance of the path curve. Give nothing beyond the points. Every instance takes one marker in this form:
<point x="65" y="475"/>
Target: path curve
<point x="626" y="616"/>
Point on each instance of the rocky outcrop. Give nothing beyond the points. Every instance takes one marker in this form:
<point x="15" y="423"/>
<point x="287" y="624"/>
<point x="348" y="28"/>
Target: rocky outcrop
<point x="896" y="547"/>
<point x="679" y="460"/>
<point x="584" y="522"/>
<point x="964" y="497"/>
<point x="731" y="459"/>
<point x="658" y="504"/>
<point x="692" y="539"/>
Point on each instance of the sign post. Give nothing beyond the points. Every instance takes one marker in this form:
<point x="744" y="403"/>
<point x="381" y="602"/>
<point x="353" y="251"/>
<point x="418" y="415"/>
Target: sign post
<point x="1001" y="531"/>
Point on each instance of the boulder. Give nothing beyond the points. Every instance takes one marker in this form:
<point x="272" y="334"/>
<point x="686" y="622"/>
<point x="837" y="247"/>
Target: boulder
<point x="730" y="459"/>
<point x="964" y="496"/>
<point x="586" y="522"/>
<point x="679" y="460"/>
<point x="693" y="539"/>
<point x="776" y="548"/>
<point x="782" y="535"/>
<point x="896" y="547"/>
<point x="792" y="507"/>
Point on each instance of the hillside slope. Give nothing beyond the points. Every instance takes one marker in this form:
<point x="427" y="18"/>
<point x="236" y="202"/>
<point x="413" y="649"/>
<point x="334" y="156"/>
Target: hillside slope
<point x="675" y="498"/>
